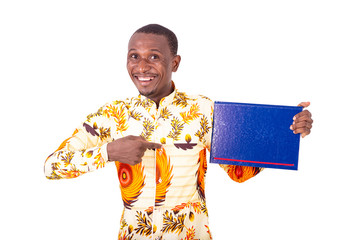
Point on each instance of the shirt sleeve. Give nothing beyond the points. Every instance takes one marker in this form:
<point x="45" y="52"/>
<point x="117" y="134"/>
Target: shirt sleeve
<point x="236" y="173"/>
<point x="240" y="173"/>
<point x="86" y="149"/>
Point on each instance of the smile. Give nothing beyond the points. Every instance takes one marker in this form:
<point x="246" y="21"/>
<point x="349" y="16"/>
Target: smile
<point x="144" y="78"/>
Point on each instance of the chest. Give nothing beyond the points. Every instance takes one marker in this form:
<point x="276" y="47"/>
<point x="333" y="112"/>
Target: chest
<point x="183" y="127"/>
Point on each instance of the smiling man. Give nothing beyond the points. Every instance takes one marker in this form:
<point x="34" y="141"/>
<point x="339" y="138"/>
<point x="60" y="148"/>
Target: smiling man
<point x="150" y="63"/>
<point x="158" y="141"/>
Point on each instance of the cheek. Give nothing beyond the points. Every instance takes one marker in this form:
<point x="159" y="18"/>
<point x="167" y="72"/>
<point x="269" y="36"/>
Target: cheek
<point x="165" y="69"/>
<point x="129" y="66"/>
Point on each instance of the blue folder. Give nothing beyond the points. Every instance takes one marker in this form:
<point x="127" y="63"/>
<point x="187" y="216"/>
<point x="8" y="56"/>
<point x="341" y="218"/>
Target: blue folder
<point x="254" y="135"/>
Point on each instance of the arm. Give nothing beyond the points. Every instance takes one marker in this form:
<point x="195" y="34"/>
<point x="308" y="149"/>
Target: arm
<point x="240" y="173"/>
<point x="77" y="155"/>
<point x="84" y="151"/>
<point x="91" y="145"/>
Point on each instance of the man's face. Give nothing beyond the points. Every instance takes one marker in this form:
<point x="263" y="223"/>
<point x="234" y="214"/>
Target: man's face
<point x="150" y="65"/>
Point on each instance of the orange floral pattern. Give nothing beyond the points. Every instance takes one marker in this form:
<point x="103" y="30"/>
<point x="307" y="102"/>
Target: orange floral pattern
<point x="119" y="116"/>
<point x="200" y="183"/>
<point x="131" y="180"/>
<point x="163" y="176"/>
<point x="192" y="114"/>
<point x="241" y="173"/>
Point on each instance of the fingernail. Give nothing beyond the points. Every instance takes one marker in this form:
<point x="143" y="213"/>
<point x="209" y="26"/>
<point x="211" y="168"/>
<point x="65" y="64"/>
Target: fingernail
<point x="294" y="118"/>
<point x="291" y="127"/>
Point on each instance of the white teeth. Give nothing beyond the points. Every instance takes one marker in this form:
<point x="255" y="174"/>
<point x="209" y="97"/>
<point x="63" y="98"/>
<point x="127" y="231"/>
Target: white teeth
<point x="145" y="78"/>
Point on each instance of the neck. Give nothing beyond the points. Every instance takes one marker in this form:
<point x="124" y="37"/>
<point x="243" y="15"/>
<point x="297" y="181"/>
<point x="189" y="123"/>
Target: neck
<point x="158" y="98"/>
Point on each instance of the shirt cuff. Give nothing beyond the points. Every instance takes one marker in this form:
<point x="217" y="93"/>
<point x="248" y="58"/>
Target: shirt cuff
<point x="103" y="152"/>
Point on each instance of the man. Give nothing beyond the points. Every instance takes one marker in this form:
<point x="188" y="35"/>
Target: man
<point x="158" y="141"/>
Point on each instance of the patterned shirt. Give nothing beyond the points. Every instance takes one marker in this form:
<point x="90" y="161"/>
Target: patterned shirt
<point x="163" y="196"/>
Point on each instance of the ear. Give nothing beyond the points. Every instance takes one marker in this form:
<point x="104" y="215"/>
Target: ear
<point x="176" y="63"/>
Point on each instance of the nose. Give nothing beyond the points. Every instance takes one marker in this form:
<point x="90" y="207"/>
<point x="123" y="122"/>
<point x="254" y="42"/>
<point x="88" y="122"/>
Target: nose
<point x="143" y="65"/>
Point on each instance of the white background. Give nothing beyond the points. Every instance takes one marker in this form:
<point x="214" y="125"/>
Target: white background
<point x="61" y="60"/>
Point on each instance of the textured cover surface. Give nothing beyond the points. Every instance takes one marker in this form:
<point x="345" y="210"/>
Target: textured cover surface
<point x="254" y="135"/>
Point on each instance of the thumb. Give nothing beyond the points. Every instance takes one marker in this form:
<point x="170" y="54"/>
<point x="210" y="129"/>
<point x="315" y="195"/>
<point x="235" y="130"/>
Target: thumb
<point x="304" y="104"/>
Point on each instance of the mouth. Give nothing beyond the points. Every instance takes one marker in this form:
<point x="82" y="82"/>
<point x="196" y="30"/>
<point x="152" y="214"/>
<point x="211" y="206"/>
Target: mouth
<point x="144" y="79"/>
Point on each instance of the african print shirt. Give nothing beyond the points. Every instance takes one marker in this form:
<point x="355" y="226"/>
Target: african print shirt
<point x="163" y="196"/>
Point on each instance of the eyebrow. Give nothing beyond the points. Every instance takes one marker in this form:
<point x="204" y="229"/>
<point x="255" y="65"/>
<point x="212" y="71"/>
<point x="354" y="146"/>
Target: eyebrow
<point x="153" y="50"/>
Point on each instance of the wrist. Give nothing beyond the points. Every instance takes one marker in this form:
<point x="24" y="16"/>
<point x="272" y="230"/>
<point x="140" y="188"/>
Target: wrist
<point x="105" y="152"/>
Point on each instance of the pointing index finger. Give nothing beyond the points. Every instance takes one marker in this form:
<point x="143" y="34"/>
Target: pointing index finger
<point x="152" y="145"/>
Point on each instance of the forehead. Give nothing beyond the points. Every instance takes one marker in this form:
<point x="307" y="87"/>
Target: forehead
<point x="148" y="42"/>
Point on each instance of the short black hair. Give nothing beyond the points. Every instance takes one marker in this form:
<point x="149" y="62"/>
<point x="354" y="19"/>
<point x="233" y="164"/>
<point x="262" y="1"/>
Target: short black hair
<point x="161" y="30"/>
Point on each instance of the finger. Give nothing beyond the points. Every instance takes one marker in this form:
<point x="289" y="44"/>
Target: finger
<point x="304" y="104"/>
<point x="135" y="161"/>
<point x="304" y="134"/>
<point x="152" y="145"/>
<point x="303" y="119"/>
<point x="303" y="124"/>
<point x="304" y="113"/>
<point x="131" y="137"/>
<point x="142" y="138"/>
<point x="139" y="154"/>
<point x="302" y="131"/>
<point x="145" y="143"/>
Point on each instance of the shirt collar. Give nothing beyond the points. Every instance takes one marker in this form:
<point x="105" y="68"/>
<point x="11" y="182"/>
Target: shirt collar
<point x="165" y="101"/>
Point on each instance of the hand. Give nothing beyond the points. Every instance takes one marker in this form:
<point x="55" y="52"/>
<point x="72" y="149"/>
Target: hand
<point x="302" y="121"/>
<point x="129" y="149"/>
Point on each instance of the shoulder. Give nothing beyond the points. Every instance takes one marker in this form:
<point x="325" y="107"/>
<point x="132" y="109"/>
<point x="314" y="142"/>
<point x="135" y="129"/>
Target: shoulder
<point x="200" y="102"/>
<point x="125" y="103"/>
<point x="193" y="98"/>
<point x="111" y="108"/>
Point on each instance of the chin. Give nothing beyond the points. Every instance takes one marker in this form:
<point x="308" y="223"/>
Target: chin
<point x="147" y="94"/>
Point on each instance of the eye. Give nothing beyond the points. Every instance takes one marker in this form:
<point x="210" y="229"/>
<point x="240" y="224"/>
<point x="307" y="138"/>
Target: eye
<point x="134" y="56"/>
<point x="154" y="57"/>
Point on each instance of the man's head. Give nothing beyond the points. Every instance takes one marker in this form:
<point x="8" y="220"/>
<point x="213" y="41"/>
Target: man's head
<point x="163" y="31"/>
<point x="152" y="57"/>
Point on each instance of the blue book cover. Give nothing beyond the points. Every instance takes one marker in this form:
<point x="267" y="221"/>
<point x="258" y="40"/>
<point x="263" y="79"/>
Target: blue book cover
<point x="254" y="135"/>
